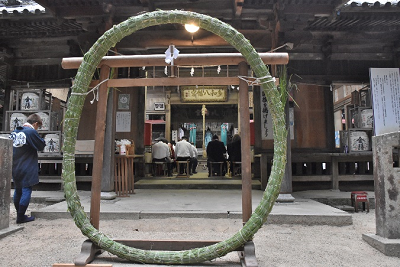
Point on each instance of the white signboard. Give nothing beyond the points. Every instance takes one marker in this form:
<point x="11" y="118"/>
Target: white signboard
<point x="385" y="88"/>
<point x="123" y="122"/>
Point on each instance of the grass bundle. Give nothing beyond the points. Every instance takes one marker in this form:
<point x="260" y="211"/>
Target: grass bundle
<point x="83" y="78"/>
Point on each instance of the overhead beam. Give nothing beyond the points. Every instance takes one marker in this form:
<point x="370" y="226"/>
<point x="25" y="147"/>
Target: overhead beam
<point x="182" y="60"/>
<point x="140" y="82"/>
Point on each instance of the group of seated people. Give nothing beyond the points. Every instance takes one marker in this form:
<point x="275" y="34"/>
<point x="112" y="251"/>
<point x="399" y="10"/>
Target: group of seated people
<point x="216" y="152"/>
<point x="183" y="151"/>
<point x="162" y="151"/>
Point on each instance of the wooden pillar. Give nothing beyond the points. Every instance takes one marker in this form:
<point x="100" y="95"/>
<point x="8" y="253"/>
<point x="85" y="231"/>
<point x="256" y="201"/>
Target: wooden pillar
<point x="168" y="116"/>
<point x="264" y="170"/>
<point x="245" y="139"/>
<point x="99" y="148"/>
<point x="335" y="173"/>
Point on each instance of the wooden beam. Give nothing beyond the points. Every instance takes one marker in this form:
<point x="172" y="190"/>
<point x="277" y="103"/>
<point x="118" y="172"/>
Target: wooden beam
<point x="182" y="60"/>
<point x="172" y="81"/>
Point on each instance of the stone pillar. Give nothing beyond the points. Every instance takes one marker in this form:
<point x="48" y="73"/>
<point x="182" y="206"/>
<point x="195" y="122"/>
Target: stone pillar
<point x="5" y="181"/>
<point x="387" y="195"/>
<point x="107" y="180"/>
<point x="6" y="152"/>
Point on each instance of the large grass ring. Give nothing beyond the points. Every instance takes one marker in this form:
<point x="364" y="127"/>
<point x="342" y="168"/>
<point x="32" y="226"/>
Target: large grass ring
<point x="83" y="78"/>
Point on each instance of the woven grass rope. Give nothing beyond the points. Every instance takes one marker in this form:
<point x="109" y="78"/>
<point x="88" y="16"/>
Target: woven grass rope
<point x="84" y="75"/>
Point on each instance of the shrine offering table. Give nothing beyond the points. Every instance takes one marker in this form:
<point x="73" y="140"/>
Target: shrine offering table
<point x="124" y="174"/>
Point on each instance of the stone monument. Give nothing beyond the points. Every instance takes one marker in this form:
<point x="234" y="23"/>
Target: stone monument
<point x="387" y="194"/>
<point x="5" y="187"/>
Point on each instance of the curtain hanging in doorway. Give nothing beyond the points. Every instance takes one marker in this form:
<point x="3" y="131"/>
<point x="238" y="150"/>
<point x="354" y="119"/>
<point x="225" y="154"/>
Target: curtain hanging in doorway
<point x="192" y="137"/>
<point x="224" y="131"/>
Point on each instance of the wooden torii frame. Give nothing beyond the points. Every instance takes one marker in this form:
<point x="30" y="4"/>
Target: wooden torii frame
<point x="109" y="62"/>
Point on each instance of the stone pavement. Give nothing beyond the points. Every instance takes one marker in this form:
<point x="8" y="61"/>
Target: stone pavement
<point x="201" y="203"/>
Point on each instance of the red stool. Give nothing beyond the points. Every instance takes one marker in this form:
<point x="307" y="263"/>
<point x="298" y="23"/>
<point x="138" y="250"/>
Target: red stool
<point x="359" y="197"/>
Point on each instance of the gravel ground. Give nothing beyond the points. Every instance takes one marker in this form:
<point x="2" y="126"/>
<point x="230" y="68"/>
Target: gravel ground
<point x="45" y="242"/>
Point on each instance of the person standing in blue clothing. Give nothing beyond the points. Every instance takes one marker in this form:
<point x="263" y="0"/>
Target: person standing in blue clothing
<point x="25" y="169"/>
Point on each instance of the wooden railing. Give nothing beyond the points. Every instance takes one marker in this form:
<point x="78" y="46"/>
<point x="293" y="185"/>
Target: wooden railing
<point x="323" y="167"/>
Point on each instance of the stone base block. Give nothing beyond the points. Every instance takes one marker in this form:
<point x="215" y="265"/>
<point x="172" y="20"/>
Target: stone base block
<point x="285" y="198"/>
<point x="389" y="247"/>
<point x="108" y="195"/>
<point x="9" y="230"/>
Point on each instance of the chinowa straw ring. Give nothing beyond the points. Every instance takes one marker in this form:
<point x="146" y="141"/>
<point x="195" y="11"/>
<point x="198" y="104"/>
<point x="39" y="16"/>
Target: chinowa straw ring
<point x="84" y="75"/>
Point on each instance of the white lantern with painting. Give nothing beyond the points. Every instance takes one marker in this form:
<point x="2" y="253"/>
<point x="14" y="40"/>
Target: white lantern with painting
<point x="52" y="143"/>
<point x="45" y="121"/>
<point x="30" y="101"/>
<point x="17" y="119"/>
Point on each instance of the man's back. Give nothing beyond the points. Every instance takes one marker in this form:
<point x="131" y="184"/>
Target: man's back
<point x="183" y="149"/>
<point x="216" y="150"/>
<point x="160" y="150"/>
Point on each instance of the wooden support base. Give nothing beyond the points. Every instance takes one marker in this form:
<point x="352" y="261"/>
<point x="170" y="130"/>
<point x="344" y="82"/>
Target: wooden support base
<point x="89" y="250"/>
<point x="87" y="265"/>
<point x="88" y="253"/>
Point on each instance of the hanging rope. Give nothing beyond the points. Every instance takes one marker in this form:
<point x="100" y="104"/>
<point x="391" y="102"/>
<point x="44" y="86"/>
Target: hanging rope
<point x="257" y="81"/>
<point x="94" y="90"/>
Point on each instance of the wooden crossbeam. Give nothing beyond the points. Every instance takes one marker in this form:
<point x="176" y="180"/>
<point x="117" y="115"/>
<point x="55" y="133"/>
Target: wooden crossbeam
<point x="87" y="265"/>
<point x="182" y="60"/>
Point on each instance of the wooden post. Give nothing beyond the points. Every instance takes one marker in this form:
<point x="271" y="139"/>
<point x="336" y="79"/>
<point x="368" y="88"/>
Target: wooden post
<point x="335" y="173"/>
<point x="168" y="116"/>
<point x="203" y="113"/>
<point x="245" y="139"/>
<point x="99" y="149"/>
<point x="286" y="186"/>
<point x="264" y="170"/>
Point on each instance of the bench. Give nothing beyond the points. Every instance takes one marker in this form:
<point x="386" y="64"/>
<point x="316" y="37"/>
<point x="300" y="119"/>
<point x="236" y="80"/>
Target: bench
<point x="186" y="169"/>
<point x="221" y="168"/>
<point x="160" y="168"/>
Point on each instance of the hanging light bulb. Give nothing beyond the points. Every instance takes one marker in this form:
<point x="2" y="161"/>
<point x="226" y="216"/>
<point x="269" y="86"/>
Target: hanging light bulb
<point x="191" y="28"/>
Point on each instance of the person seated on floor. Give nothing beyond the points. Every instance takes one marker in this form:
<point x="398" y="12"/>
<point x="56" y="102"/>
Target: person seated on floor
<point x="161" y="153"/>
<point x="193" y="160"/>
<point x="183" y="152"/>
<point x="216" y="153"/>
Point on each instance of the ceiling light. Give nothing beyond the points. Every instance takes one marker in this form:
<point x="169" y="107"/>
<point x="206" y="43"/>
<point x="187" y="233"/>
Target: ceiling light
<point x="191" y="28"/>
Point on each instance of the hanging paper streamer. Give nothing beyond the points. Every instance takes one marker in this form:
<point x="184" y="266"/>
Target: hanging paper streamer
<point x="192" y="71"/>
<point x="219" y="69"/>
<point x="170" y="54"/>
